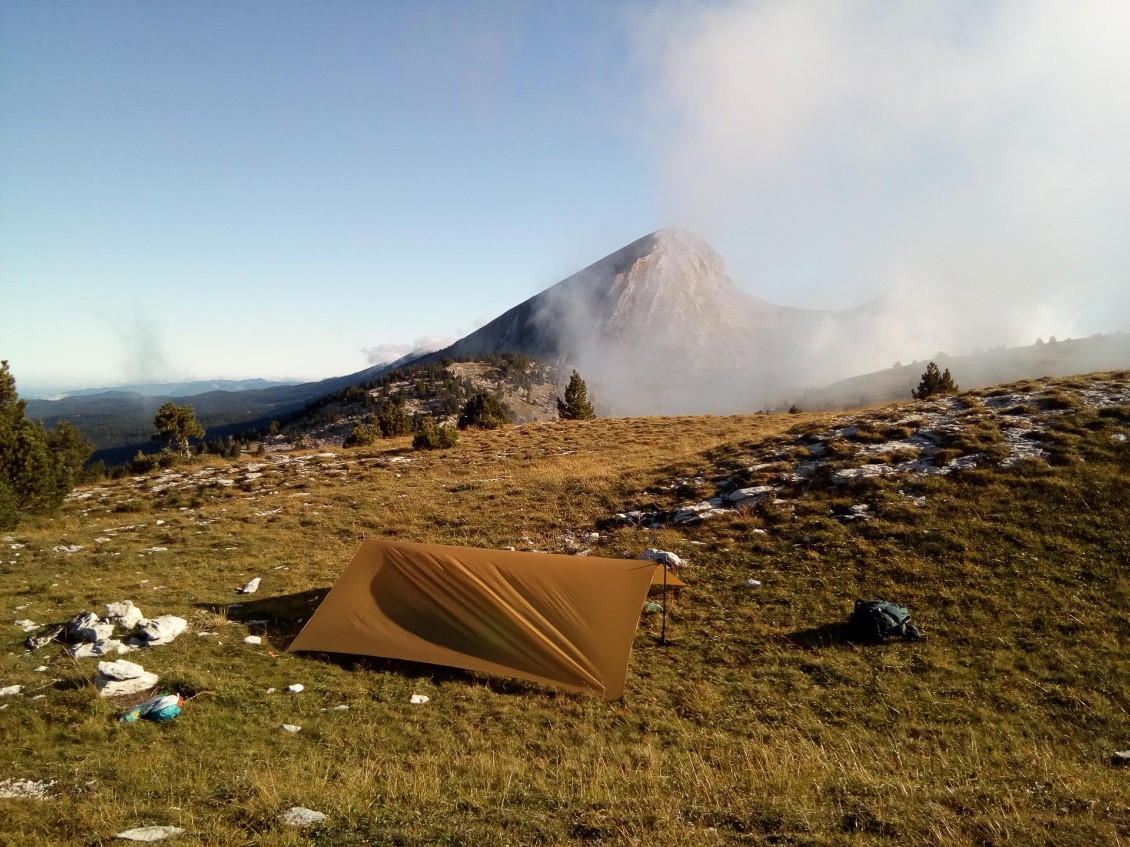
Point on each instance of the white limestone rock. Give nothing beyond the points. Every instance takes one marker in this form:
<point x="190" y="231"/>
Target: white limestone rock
<point x="301" y="816"/>
<point x="87" y="626"/>
<point x="87" y="650"/>
<point x="662" y="557"/>
<point x="123" y="614"/>
<point x="698" y="511"/>
<point x="150" y="833"/>
<point x="750" y="496"/>
<point x="121" y="677"/>
<point x="11" y="789"/>
<point x="162" y="630"/>
<point x="252" y="586"/>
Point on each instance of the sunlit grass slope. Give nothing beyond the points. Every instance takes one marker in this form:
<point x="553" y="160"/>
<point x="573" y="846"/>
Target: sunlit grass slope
<point x="757" y="723"/>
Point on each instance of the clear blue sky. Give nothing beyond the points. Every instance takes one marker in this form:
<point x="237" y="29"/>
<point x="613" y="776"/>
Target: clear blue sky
<point x="264" y="189"/>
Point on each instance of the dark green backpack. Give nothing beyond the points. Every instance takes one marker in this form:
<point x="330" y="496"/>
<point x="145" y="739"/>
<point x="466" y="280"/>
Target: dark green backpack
<point x="878" y="620"/>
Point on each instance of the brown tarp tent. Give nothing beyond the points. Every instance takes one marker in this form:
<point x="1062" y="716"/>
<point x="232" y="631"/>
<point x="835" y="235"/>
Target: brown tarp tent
<point x="672" y="581"/>
<point x="562" y="620"/>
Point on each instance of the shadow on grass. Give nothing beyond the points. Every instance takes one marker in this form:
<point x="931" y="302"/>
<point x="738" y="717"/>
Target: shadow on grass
<point x="282" y="618"/>
<point x="825" y="635"/>
<point x="433" y="673"/>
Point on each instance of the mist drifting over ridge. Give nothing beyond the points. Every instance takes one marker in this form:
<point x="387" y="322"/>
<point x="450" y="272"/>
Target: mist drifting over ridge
<point x="963" y="163"/>
<point x="659" y="327"/>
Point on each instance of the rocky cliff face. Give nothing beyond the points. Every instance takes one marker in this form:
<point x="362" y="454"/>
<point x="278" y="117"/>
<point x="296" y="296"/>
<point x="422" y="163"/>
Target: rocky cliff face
<point x="659" y="327"/>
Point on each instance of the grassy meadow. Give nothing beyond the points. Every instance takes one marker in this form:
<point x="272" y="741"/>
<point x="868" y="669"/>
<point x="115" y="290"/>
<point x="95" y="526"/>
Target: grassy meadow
<point x="757" y="723"/>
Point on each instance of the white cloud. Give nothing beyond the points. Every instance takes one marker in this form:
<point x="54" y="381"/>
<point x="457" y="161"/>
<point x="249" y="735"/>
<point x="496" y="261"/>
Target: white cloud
<point x="382" y="354"/>
<point x="968" y="158"/>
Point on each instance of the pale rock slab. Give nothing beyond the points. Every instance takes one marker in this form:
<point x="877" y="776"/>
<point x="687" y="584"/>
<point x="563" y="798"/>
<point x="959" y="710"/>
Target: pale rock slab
<point x="122" y="677"/>
<point x="301" y="816"/>
<point x="161" y="630"/>
<point x="150" y="833"/>
<point x="124" y="614"/>
<point x="87" y="626"/>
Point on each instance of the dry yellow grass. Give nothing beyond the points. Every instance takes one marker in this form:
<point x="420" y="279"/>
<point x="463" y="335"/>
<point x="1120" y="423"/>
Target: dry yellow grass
<point x="754" y="725"/>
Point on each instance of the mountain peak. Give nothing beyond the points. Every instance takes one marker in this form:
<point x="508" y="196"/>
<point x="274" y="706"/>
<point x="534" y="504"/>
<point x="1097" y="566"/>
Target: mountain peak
<point x="660" y="324"/>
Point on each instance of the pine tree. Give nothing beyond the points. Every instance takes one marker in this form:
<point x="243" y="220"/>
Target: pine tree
<point x="576" y="405"/>
<point x="934" y="384"/>
<point x="37" y="467"/>
<point x="175" y="425"/>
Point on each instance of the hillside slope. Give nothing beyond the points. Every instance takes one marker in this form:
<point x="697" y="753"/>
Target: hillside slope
<point x="998" y="517"/>
<point x="978" y="370"/>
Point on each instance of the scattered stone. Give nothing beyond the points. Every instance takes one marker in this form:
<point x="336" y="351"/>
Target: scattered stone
<point x="419" y="699"/>
<point x="698" y="511"/>
<point x="1120" y="437"/>
<point x="759" y="532"/>
<point x="11" y="690"/>
<point x="27" y="626"/>
<point x="157" y="631"/>
<point x="271" y="690"/>
<point x="652" y="608"/>
<point x="752" y="583"/>
<point x="253" y="639"/>
<point x="155" y="550"/>
<point x="87" y="626"/>
<point x="662" y="557"/>
<point x="41" y="669"/>
<point x="11" y="789"/>
<point x="123" y="614"/>
<point x="1120" y="759"/>
<point x="297" y="688"/>
<point x="46" y="637"/>
<point x="342" y="708"/>
<point x="750" y="496"/>
<point x="301" y="816"/>
<point x="289" y="727"/>
<point x="100" y="648"/>
<point x="863" y="472"/>
<point x="251" y="587"/>
<point x="66" y="548"/>
<point x="122" y="677"/>
<point x="150" y="833"/>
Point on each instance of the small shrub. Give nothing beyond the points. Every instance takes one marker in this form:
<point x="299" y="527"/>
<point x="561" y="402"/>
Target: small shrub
<point x="1059" y="401"/>
<point x="430" y="436"/>
<point x="934" y="384"/>
<point x="144" y="462"/>
<point x="360" y="436"/>
<point x="484" y="411"/>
